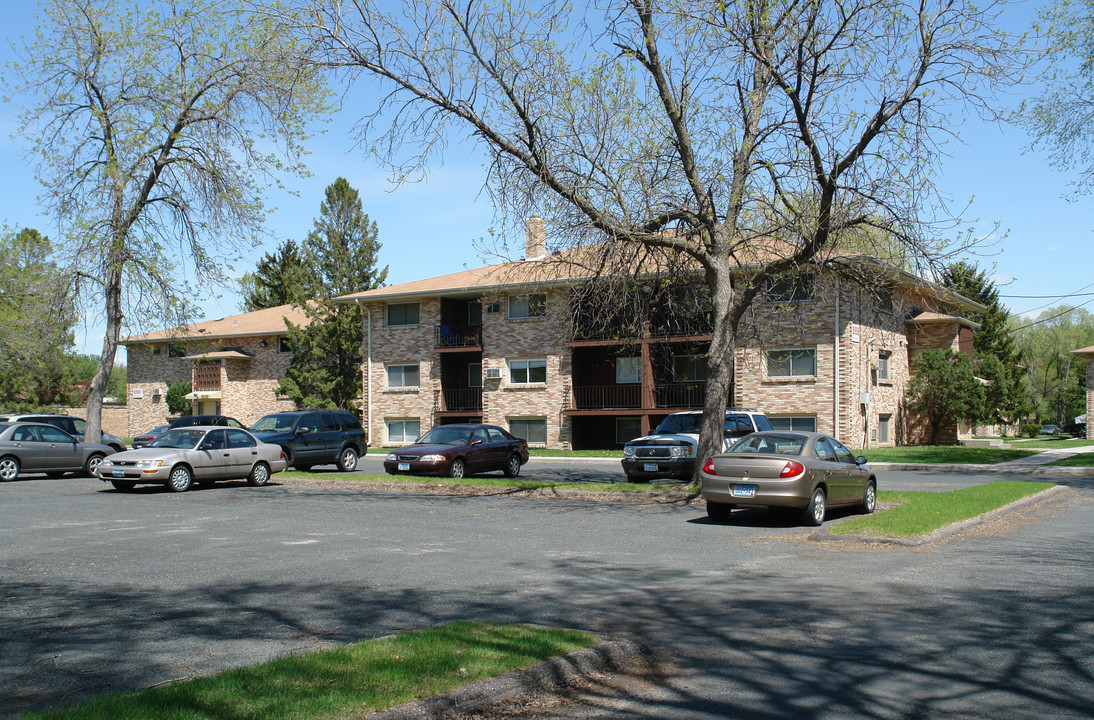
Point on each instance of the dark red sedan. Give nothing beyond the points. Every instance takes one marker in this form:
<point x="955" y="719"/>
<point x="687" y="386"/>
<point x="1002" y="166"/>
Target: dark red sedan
<point x="460" y="451"/>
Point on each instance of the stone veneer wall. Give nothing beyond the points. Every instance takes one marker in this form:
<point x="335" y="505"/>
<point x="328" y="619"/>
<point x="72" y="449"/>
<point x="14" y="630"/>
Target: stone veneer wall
<point x="113" y="418"/>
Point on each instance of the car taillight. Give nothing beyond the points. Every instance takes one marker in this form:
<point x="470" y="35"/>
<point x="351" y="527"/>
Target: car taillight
<point x="792" y="469"/>
<point x="708" y="467"/>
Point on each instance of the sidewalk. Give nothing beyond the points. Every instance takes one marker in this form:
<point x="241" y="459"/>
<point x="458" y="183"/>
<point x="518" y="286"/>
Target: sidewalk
<point x="1031" y="464"/>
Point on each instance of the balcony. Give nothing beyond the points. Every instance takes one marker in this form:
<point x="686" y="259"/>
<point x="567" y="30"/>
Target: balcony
<point x="461" y="400"/>
<point x="680" y="395"/>
<point x="457" y="336"/>
<point x="206" y="376"/>
<point x="607" y="397"/>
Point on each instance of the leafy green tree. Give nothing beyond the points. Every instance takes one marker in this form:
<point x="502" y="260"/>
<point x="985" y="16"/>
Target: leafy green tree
<point x="722" y="136"/>
<point x="280" y="279"/>
<point x="343" y="248"/>
<point x="1057" y="379"/>
<point x="36" y="322"/>
<point x="158" y="128"/>
<point x="177" y="402"/>
<point x="943" y="390"/>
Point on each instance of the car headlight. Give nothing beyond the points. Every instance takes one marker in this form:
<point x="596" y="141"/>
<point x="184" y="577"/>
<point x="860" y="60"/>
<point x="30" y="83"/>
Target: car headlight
<point x="149" y="463"/>
<point x="682" y="451"/>
<point x="391" y="457"/>
<point x="105" y="463"/>
<point x="628" y="452"/>
<point x="432" y="458"/>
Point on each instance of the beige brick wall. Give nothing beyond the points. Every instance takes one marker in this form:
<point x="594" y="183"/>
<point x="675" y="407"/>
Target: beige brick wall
<point x="114" y="418"/>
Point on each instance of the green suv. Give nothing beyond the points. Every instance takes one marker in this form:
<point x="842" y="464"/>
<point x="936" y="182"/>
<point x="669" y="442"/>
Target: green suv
<point x="315" y="437"/>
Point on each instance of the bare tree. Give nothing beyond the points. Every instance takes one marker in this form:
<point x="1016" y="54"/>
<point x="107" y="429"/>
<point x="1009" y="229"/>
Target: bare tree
<point x="158" y="129"/>
<point x="756" y="133"/>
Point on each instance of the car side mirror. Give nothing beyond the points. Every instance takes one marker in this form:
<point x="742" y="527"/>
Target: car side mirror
<point x="303" y="430"/>
<point x="476" y="442"/>
<point x="860" y="460"/>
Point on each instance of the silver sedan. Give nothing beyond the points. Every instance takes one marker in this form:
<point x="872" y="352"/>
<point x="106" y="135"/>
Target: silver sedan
<point x="201" y="454"/>
<point x="38" y="447"/>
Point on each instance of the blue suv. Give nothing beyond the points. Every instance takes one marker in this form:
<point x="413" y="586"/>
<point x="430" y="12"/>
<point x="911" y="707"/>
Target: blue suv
<point x="315" y="437"/>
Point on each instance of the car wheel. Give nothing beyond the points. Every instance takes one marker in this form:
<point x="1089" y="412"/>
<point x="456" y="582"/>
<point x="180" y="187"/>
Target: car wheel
<point x="123" y="485"/>
<point x="118" y="448"/>
<point x="869" y="499"/>
<point x="91" y="467"/>
<point x="458" y="468"/>
<point x="180" y="479"/>
<point x="260" y="475"/>
<point x="9" y="468"/>
<point x="813" y="514"/>
<point x="718" y="512"/>
<point x="347" y="461"/>
<point x="512" y="468"/>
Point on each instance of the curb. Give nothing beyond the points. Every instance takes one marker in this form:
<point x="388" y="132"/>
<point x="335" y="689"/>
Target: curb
<point x="612" y="654"/>
<point x="949" y="530"/>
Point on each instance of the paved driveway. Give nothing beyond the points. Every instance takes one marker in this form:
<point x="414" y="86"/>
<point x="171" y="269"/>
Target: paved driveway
<point x="105" y="590"/>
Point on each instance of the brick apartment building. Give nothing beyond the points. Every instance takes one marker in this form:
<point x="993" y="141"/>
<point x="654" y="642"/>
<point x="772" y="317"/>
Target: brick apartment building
<point x="511" y="344"/>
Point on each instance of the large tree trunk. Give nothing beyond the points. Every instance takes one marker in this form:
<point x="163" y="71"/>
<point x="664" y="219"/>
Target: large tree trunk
<point x="719" y="366"/>
<point x="113" y="292"/>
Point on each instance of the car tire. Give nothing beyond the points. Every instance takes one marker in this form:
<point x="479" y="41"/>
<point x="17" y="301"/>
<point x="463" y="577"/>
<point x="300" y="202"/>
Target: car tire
<point x="123" y="485"/>
<point x="719" y="512"/>
<point x="9" y="468"/>
<point x="813" y="514"/>
<point x="180" y="479"/>
<point x="347" y="461"/>
<point x="91" y="465"/>
<point x="260" y="475"/>
<point x="869" y="499"/>
<point x="512" y="468"/>
<point x="458" y="469"/>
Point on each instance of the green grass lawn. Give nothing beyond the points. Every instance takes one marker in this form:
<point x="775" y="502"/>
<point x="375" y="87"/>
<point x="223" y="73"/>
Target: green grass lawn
<point x="921" y="513"/>
<point x="945" y="454"/>
<point x="347" y="681"/>
<point x="1054" y="443"/>
<point x="1083" y="460"/>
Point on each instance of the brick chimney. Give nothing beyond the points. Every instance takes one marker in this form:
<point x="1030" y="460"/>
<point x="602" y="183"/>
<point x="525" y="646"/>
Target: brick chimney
<point x="535" y="238"/>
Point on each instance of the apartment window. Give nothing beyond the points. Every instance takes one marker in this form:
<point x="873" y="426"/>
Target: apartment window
<point x="176" y="351"/>
<point x="689" y="368"/>
<point x="283" y="346"/>
<point x="528" y="372"/>
<point x="626" y="429"/>
<point x="628" y="370"/>
<point x="400" y="314"/>
<point x="156" y="350"/>
<point x="883" y="365"/>
<point x="791" y="288"/>
<point x="884" y="428"/>
<point x="474" y="375"/>
<point x="792" y="363"/>
<point x="403" y="376"/>
<point x="527" y="306"/>
<point x="801" y="423"/>
<point x="403" y="431"/>
<point x="534" y="430"/>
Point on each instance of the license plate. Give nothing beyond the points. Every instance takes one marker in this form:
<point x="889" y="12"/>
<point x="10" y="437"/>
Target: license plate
<point x="649" y="467"/>
<point x="119" y="473"/>
<point x="404" y="467"/>
<point x="744" y="491"/>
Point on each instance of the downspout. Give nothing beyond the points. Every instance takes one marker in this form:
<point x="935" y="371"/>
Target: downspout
<point x="368" y="367"/>
<point x="835" y="372"/>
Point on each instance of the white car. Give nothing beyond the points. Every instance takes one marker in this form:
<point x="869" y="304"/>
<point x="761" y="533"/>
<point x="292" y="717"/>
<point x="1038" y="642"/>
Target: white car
<point x="201" y="454"/>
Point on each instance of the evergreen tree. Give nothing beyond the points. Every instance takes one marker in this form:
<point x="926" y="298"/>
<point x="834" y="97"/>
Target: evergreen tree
<point x="279" y="279"/>
<point x="944" y="390"/>
<point x="342" y="248"/>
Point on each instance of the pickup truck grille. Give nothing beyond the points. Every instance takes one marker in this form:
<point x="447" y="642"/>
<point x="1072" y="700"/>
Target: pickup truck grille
<point x="653" y="452"/>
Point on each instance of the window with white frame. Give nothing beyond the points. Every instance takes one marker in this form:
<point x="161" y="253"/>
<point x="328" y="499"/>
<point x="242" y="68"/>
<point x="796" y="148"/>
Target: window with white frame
<point x="627" y="429"/>
<point x="528" y="372"/>
<point x="801" y="362"/>
<point x="797" y="423"/>
<point x="403" y="430"/>
<point x="533" y="305"/>
<point x="883" y="365"/>
<point x="402" y="314"/>
<point x="884" y="428"/>
<point x="404" y="375"/>
<point x="534" y="430"/>
<point x="628" y="370"/>
<point x="689" y="368"/>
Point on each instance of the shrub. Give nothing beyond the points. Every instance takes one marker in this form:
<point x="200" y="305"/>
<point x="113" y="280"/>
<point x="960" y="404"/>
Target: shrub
<point x="1030" y="431"/>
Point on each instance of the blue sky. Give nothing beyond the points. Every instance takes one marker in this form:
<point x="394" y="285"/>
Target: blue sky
<point x="430" y="228"/>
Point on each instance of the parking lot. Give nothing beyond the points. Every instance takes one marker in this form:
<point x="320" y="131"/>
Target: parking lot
<point x="106" y="591"/>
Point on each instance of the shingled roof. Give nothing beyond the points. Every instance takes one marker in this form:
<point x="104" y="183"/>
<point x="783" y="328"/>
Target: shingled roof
<point x="270" y="321"/>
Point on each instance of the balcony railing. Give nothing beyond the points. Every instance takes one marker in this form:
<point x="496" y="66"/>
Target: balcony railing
<point x="460" y="400"/>
<point x="675" y="395"/>
<point x="607" y="397"/>
<point x="206" y="376"/>
<point x="457" y="336"/>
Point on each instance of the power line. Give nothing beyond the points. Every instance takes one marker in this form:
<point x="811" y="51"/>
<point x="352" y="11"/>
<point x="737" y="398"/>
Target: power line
<point x="1053" y="317"/>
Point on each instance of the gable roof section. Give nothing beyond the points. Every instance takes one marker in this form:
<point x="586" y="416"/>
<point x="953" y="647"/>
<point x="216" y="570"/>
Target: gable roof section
<point x="928" y="318"/>
<point x="270" y="321"/>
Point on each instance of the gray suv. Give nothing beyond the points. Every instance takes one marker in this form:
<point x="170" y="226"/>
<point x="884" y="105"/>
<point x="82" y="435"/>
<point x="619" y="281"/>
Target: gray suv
<point x="72" y="425"/>
<point x="669" y="451"/>
<point x="315" y="437"/>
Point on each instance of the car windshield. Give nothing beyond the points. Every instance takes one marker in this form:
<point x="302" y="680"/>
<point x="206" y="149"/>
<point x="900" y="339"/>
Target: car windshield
<point x="181" y="439"/>
<point x="275" y="423"/>
<point x="776" y="444"/>
<point x="680" y="424"/>
<point x="446" y="436"/>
